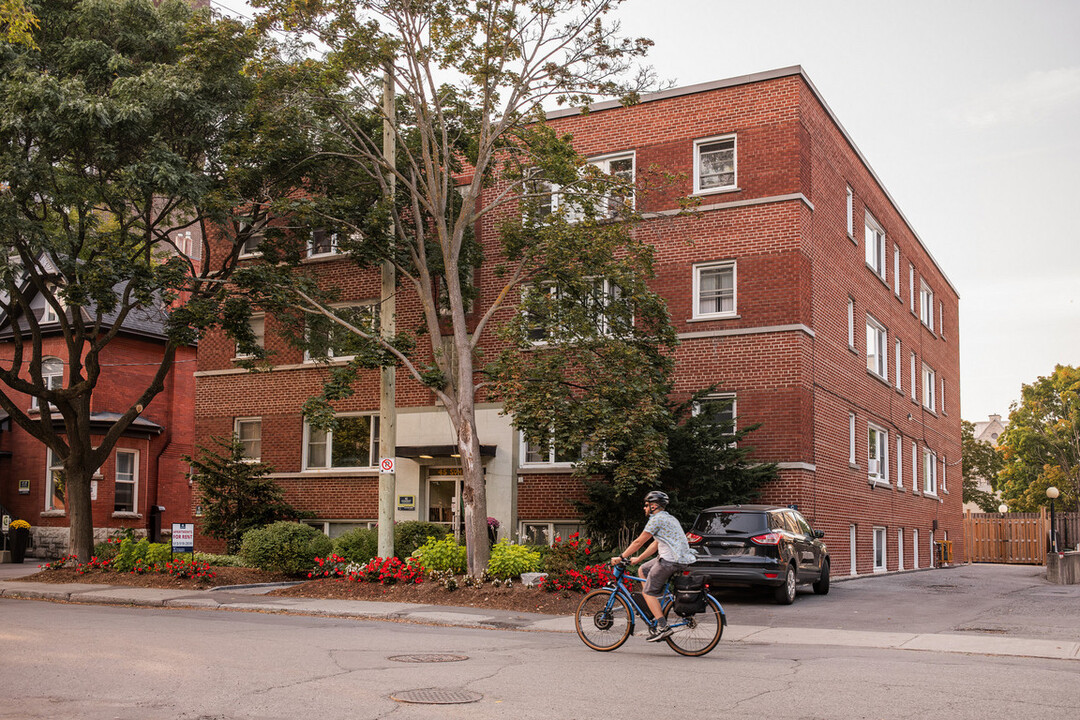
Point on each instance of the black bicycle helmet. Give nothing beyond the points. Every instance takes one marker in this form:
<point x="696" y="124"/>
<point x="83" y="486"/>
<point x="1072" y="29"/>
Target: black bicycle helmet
<point x="658" y="497"/>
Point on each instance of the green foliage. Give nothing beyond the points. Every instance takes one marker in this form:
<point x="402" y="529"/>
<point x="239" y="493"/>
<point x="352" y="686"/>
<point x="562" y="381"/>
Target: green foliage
<point x="17" y="23"/>
<point x="570" y="553"/>
<point x="980" y="461"/>
<point x="285" y="547"/>
<point x="441" y="555"/>
<point x="509" y="560"/>
<point x="411" y="534"/>
<point x="359" y="545"/>
<point x="236" y="495"/>
<point x="1041" y="443"/>
<point x="133" y="555"/>
<point x="220" y="560"/>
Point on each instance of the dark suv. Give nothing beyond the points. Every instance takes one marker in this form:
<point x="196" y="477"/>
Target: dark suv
<point x="759" y="545"/>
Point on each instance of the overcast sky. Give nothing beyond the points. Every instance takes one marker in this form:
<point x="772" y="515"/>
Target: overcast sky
<point x="969" y="113"/>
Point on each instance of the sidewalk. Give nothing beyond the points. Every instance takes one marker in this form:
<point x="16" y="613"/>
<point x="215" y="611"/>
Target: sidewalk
<point x="251" y="600"/>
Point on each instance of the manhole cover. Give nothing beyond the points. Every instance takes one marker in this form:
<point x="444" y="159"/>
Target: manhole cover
<point x="437" y="696"/>
<point x="428" y="658"/>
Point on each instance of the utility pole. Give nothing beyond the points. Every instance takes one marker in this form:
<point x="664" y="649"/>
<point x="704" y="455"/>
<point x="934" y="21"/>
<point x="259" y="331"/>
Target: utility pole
<point x="388" y="321"/>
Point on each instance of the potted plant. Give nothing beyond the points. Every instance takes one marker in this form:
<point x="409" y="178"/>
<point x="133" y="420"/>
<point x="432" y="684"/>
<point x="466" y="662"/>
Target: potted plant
<point x="19" y="534"/>
<point x="493" y="530"/>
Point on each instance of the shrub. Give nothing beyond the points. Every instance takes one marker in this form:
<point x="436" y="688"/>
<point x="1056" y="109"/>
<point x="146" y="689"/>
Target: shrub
<point x="411" y="534"/>
<point x="445" y="554"/>
<point x="189" y="569"/>
<point x="389" y="571"/>
<point x="358" y="546"/>
<point x="285" y="547"/>
<point x="106" y="550"/>
<point x="140" y="556"/>
<point x="569" y="554"/>
<point x="509" y="560"/>
<point x="590" y="577"/>
<point x="331" y="566"/>
<point x="220" y="560"/>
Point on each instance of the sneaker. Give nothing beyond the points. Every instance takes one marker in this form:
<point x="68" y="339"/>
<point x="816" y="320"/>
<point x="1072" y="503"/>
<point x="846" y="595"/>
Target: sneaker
<point x="658" y="633"/>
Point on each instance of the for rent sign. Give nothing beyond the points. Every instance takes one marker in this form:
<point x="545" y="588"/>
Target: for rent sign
<point x="183" y="538"/>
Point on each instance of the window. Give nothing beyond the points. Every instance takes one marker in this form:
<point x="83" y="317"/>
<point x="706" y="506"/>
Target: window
<point x="914" y="396"/>
<point x="898" y="370"/>
<point x="929" y="383"/>
<point x="879" y="549"/>
<point x="249" y="432"/>
<point x="714" y="290"/>
<point x="929" y="472"/>
<point x="54" y="482"/>
<point x="851" y="214"/>
<point x="544" y="533"/>
<point x="914" y="464"/>
<point x="915" y="549"/>
<point x="851" y="323"/>
<point x="620" y="167"/>
<point x="544" y="197"/>
<point x="851" y="439"/>
<point x="896" y="269"/>
<point x="257" y="323"/>
<point x="853" y="557"/>
<point x="328" y="339"/>
<point x="48" y="313"/>
<point x="321" y="242"/>
<point x="926" y="306"/>
<point x="911" y="286"/>
<point x="942" y="398"/>
<point x="720" y="410"/>
<point x="52" y="378"/>
<point x="877" y="464"/>
<point x="941" y="318"/>
<point x="127" y="480"/>
<point x="598" y="298"/>
<point x="714" y="164"/>
<point x="875" y="246"/>
<point x="900" y="548"/>
<point x="353" y="443"/>
<point x="538" y="453"/>
<point x="250" y="246"/>
<point x="899" y="461"/>
<point x="944" y="470"/>
<point x="877" y="360"/>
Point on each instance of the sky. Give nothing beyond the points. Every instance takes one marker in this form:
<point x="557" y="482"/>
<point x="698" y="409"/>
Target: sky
<point x="969" y="114"/>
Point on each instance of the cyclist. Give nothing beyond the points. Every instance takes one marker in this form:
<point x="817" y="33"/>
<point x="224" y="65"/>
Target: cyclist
<point x="665" y="535"/>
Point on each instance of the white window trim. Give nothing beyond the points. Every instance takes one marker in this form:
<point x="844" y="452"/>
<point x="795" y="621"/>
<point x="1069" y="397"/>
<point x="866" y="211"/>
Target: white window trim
<point x="330" y="354"/>
<point x="236" y="434"/>
<point x="929" y="390"/>
<point x="896" y="270"/>
<point x="941" y="319"/>
<point x="881" y="349"/>
<point x="851" y="439"/>
<point x="49" y="463"/>
<point x="911" y="286"/>
<point x="734" y="400"/>
<point x="898" y="356"/>
<point x="915" y="479"/>
<point x="333" y="244"/>
<point x="944" y="470"/>
<point x="872" y="226"/>
<point x="929" y="479"/>
<point x="244" y="255"/>
<point x="550" y="527"/>
<point x="915" y="549"/>
<point x="698" y="269"/>
<point x="926" y="305"/>
<point x="603" y="163"/>
<point x="914" y="379"/>
<point x="246" y="356"/>
<point x="851" y="215"/>
<point x="372" y="439"/>
<point x="880" y="536"/>
<point x="900" y="548"/>
<point x="899" y="460"/>
<point x="851" y="323"/>
<point x="853" y="556"/>
<point x="698" y="190"/>
<point x="877" y="470"/>
<point x="134" y="482"/>
<point x="46" y="380"/>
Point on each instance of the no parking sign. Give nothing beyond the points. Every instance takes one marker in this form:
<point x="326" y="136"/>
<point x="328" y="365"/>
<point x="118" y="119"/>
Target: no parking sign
<point x="386" y="466"/>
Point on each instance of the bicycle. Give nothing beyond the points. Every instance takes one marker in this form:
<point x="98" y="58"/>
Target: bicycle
<point x="605" y="618"/>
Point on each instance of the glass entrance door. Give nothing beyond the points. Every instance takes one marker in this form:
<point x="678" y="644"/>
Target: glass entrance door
<point x="445" y="505"/>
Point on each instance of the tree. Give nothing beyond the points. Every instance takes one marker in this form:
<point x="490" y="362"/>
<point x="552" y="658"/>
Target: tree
<point x="127" y="123"/>
<point x="709" y="465"/>
<point x="235" y="493"/>
<point x="981" y="461"/>
<point x="1041" y="444"/>
<point x="17" y="23"/>
<point x="471" y="78"/>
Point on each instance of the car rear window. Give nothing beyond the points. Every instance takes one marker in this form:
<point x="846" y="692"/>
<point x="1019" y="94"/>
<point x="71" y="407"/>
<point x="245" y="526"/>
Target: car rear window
<point x="722" y="523"/>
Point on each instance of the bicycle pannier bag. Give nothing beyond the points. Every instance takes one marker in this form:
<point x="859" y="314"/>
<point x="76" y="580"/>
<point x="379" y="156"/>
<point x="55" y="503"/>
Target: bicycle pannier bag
<point x="689" y="595"/>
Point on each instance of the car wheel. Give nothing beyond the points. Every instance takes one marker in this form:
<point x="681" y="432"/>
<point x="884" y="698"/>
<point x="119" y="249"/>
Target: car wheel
<point x="785" y="594"/>
<point x="821" y="587"/>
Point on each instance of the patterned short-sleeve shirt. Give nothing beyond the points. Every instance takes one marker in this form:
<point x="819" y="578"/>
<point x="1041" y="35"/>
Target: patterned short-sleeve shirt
<point x="673" y="546"/>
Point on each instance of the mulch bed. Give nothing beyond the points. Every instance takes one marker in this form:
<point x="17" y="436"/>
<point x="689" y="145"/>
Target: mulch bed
<point x="516" y="598"/>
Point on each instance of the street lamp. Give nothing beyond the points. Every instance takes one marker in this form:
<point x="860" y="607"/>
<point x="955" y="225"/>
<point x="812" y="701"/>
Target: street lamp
<point x="1003" y="508"/>
<point x="1052" y="493"/>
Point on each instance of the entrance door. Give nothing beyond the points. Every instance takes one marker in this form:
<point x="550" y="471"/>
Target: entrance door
<point x="445" y="504"/>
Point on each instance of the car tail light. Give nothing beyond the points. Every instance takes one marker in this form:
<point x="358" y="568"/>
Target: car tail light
<point x="693" y="538"/>
<point x="772" y="576"/>
<point x="766" y="539"/>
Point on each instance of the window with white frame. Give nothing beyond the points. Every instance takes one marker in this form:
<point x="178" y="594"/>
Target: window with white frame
<point x="929" y="472"/>
<point x="944" y="470"/>
<point x="251" y="247"/>
<point x="877" y="354"/>
<point x="715" y="164"/>
<point x="352" y="443"/>
<point x="880" y="556"/>
<point x="915" y="549"/>
<point x="599" y="298"/>
<point x="875" y="246"/>
<point x="898" y="371"/>
<point x="125" y="497"/>
<point x="719" y="408"/>
<point x="941" y="318"/>
<point x="48" y="313"/>
<point x="930" y="549"/>
<point x="900" y="548"/>
<point x="257" y="324"/>
<point x="941" y="398"/>
<point x="542" y="196"/>
<point x="911" y="286"/>
<point x="621" y="168"/>
<point x="896" y="269"/>
<point x="851" y="438"/>
<point x="248" y="432"/>
<point x="52" y="377"/>
<point x="850" y="213"/>
<point x="331" y="340"/>
<point x="852" y="555"/>
<point x="537" y="451"/>
<point x="714" y="290"/>
<point x="929" y="384"/>
<point x="542" y="532"/>
<point x="55" y="490"/>
<point x="851" y="323"/>
<point x="926" y="305"/>
<point x="877" y="463"/>
<point x="322" y="242"/>
<point x="914" y="385"/>
<point x="914" y="464"/>
<point x="899" y="461"/>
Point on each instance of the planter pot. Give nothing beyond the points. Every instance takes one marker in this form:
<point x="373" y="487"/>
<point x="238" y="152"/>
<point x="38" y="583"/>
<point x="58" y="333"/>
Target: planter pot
<point x="20" y="538"/>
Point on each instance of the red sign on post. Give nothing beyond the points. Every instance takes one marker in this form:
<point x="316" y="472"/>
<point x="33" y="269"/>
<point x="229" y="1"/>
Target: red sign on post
<point x="386" y="466"/>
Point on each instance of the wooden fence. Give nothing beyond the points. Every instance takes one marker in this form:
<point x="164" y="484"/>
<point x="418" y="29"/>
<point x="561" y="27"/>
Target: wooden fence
<point x="1019" y="538"/>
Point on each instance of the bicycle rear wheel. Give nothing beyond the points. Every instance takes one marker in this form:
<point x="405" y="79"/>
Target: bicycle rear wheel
<point x="600" y="627"/>
<point x="697" y="634"/>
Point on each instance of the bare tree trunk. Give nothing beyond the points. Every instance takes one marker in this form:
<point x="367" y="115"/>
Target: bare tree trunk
<point x="77" y="480"/>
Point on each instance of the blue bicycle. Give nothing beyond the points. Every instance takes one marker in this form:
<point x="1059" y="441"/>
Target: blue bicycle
<point x="606" y="617"/>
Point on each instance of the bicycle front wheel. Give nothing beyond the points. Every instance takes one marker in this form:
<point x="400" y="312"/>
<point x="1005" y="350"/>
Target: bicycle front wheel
<point x="697" y="634"/>
<point x="601" y="627"/>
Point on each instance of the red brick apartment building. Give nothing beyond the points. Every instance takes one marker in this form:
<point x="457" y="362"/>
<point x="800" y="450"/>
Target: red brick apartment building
<point x="145" y="471"/>
<point x="797" y="287"/>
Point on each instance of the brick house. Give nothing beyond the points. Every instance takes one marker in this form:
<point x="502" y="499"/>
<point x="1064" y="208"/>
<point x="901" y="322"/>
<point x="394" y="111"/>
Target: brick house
<point x="796" y="285"/>
<point x="144" y="471"/>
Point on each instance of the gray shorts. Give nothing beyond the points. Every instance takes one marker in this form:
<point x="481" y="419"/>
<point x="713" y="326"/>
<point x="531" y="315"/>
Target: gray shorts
<point x="656" y="573"/>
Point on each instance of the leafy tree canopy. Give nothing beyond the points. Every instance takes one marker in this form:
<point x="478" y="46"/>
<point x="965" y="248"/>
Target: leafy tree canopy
<point x="981" y="462"/>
